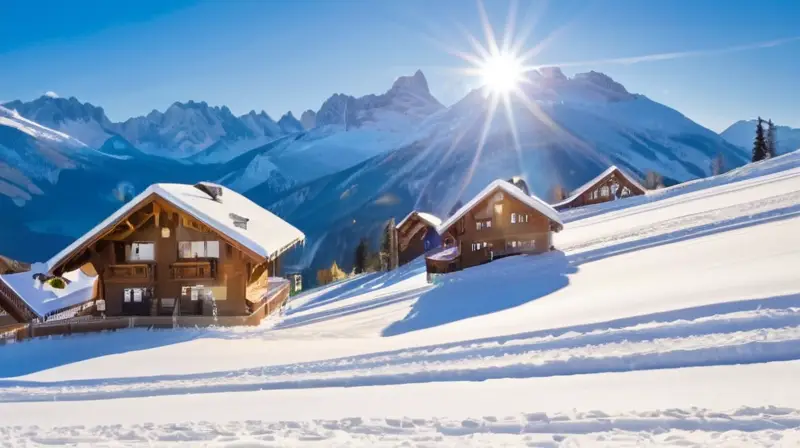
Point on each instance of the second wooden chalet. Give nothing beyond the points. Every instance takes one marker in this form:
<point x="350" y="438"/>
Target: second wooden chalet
<point x="499" y="221"/>
<point x="611" y="184"/>
<point x="173" y="250"/>
<point x="416" y="235"/>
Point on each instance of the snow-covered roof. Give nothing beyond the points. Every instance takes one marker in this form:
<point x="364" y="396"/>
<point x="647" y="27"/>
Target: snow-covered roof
<point x="265" y="234"/>
<point x="42" y="298"/>
<point x="531" y="201"/>
<point x="585" y="187"/>
<point x="427" y="218"/>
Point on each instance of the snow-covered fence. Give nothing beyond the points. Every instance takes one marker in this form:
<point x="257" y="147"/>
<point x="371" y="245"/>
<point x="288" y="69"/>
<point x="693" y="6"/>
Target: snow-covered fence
<point x="270" y="303"/>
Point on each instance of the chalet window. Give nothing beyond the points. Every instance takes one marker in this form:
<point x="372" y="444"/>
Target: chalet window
<point x="604" y="191"/>
<point x="141" y="251"/>
<point x="135" y="295"/>
<point x="518" y="218"/>
<point x="484" y="224"/>
<point x="478" y="246"/>
<point x="625" y="192"/>
<point x="498" y="209"/>
<point x="198" y="249"/>
<point x="614" y="188"/>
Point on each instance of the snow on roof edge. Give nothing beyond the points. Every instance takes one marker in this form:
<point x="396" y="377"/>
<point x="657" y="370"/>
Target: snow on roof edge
<point x="163" y="191"/>
<point x="583" y="188"/>
<point x="429" y="218"/>
<point x="531" y="201"/>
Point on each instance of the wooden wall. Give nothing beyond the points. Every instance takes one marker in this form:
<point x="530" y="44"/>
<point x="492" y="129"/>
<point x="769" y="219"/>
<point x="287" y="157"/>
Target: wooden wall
<point x="416" y="243"/>
<point x="587" y="199"/>
<point x="465" y="231"/>
<point x="232" y="269"/>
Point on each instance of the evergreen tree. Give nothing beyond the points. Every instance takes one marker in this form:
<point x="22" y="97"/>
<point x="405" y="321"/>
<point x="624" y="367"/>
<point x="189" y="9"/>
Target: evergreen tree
<point x="362" y="256"/>
<point x="770" y="140"/>
<point x="760" y="144"/>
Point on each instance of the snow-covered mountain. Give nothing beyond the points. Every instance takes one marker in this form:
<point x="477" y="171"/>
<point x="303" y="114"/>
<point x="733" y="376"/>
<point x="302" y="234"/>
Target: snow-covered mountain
<point x="309" y="119"/>
<point x="289" y="124"/>
<point x="568" y="131"/>
<point x="743" y="132"/>
<point x="182" y="130"/>
<point x="83" y="121"/>
<point x="372" y="158"/>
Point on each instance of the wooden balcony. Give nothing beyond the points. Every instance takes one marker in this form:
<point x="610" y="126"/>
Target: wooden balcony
<point x="121" y="273"/>
<point x="193" y="270"/>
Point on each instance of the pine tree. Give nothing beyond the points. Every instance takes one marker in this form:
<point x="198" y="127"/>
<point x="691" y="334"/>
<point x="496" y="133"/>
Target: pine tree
<point x="387" y="247"/>
<point x="361" y="257"/>
<point x="770" y="140"/>
<point x="760" y="144"/>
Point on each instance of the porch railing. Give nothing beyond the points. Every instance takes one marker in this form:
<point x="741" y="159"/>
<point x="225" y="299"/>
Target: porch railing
<point x="193" y="270"/>
<point x="130" y="272"/>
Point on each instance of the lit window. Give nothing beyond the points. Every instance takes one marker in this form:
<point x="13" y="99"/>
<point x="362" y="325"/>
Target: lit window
<point x="604" y="191"/>
<point x="513" y="218"/>
<point x="478" y="225"/>
<point x="198" y="249"/>
<point x="489" y="224"/>
<point x="498" y="209"/>
<point x="142" y="252"/>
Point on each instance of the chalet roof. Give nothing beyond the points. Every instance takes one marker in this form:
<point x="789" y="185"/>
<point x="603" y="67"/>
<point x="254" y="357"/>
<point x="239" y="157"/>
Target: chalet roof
<point x="531" y="201"/>
<point x="264" y="233"/>
<point x="427" y="218"/>
<point x="43" y="299"/>
<point x="585" y="187"/>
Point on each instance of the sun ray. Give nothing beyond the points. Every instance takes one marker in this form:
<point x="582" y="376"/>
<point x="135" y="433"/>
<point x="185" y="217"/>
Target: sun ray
<point x="493" y="103"/>
<point x="491" y="42"/>
<point x="508" y="33"/>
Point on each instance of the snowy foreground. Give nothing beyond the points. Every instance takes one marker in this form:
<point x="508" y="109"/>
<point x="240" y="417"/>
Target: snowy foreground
<point x="672" y="319"/>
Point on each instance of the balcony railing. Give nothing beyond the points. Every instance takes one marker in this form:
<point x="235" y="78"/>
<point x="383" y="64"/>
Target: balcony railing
<point x="193" y="270"/>
<point x="130" y="273"/>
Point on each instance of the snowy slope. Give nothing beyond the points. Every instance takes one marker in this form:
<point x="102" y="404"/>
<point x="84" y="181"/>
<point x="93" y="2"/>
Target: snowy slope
<point x="743" y="132"/>
<point x="572" y="130"/>
<point x="678" y="320"/>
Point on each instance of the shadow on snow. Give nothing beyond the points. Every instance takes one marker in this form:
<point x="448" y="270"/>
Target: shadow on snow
<point x="508" y="283"/>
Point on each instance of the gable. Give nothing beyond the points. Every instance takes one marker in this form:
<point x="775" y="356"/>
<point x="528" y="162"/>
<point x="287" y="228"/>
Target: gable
<point x="491" y="191"/>
<point x="233" y="217"/>
<point x="598" y="181"/>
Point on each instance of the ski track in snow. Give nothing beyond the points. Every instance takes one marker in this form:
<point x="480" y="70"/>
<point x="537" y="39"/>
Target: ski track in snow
<point x="746" y="426"/>
<point x="760" y="335"/>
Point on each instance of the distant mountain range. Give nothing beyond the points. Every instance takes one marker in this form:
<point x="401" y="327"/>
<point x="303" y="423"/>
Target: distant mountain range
<point x="743" y="132"/>
<point x="338" y="173"/>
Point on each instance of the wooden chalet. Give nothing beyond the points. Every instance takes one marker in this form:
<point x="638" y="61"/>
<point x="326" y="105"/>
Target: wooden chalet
<point x="173" y="250"/>
<point x="501" y="220"/>
<point x="416" y="235"/>
<point x="610" y="185"/>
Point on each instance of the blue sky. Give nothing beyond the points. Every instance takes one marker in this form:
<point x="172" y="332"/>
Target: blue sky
<point x="132" y="57"/>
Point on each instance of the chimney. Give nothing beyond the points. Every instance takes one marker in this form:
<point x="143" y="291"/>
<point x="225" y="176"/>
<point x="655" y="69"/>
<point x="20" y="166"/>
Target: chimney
<point x="212" y="190"/>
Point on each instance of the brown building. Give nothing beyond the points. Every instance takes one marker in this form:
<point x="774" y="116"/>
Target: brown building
<point x="610" y="185"/>
<point x="416" y="235"/>
<point x="172" y="250"/>
<point x="501" y="220"/>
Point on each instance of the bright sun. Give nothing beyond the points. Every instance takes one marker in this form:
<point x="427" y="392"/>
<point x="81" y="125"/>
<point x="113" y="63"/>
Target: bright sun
<point x="501" y="73"/>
